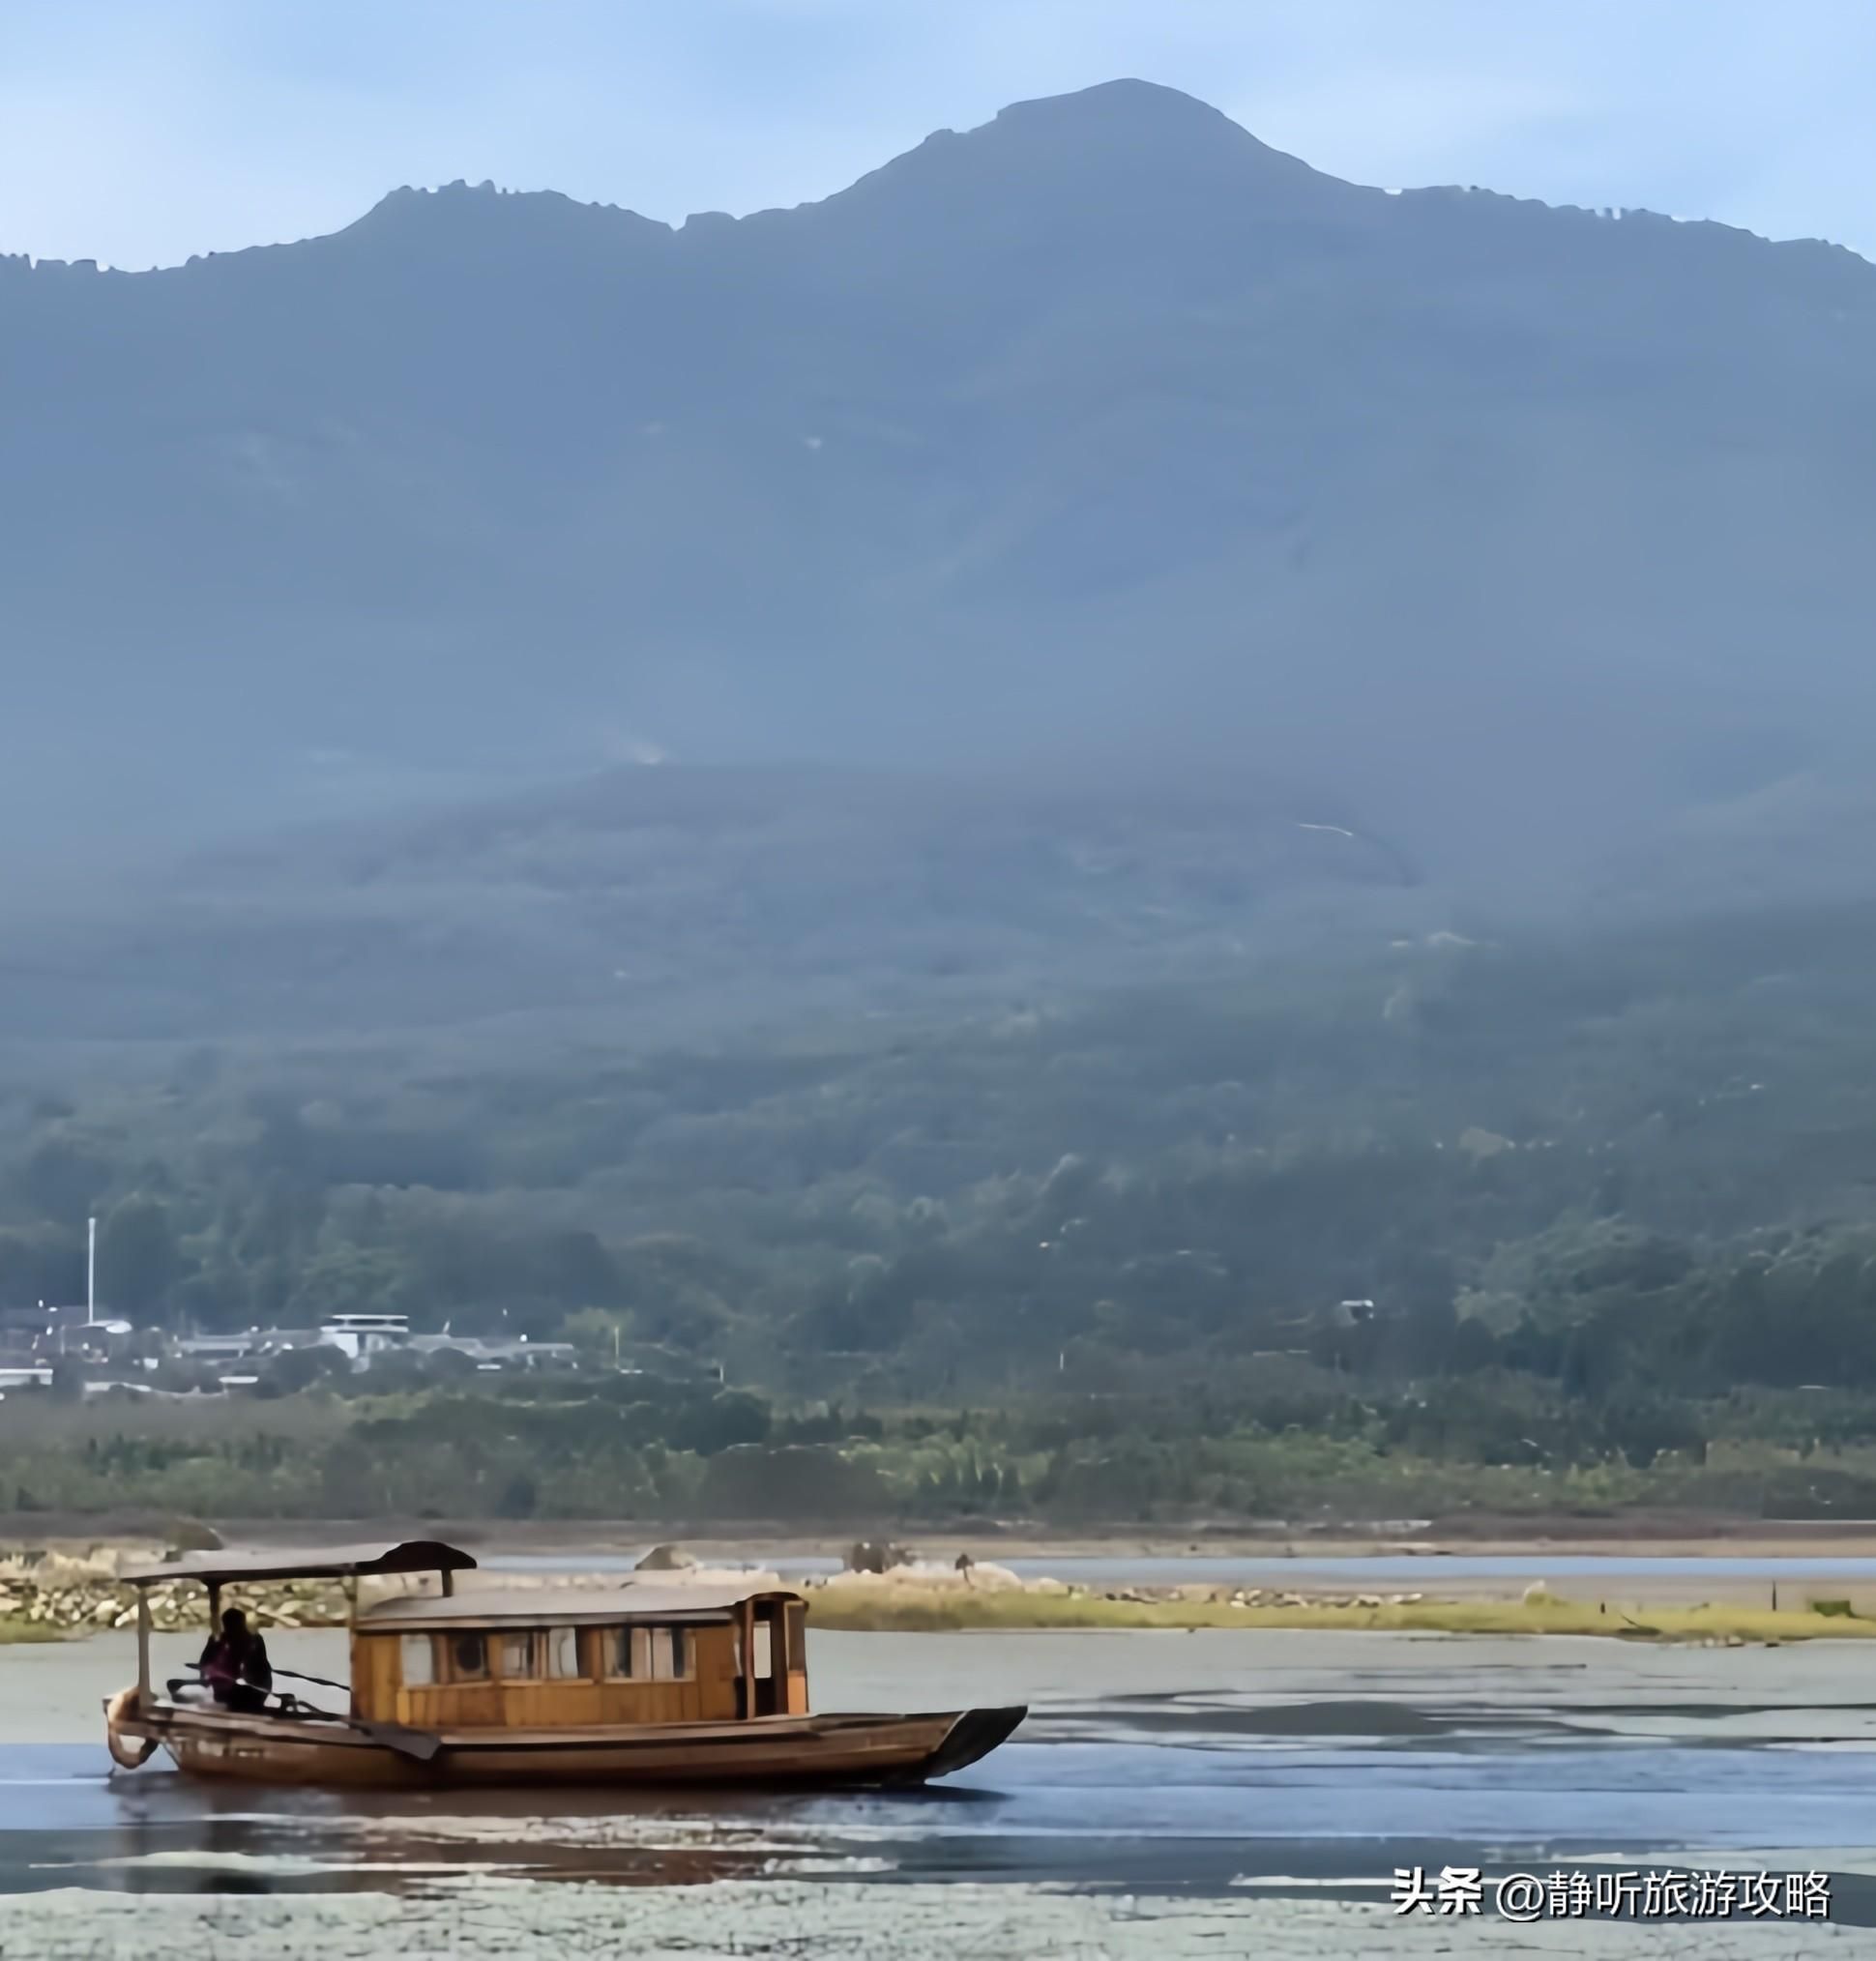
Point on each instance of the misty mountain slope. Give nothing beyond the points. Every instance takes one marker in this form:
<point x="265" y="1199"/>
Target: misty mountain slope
<point x="674" y="902"/>
<point x="1100" y="428"/>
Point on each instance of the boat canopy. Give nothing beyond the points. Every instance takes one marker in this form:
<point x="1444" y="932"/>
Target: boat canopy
<point x="564" y="1607"/>
<point x="310" y="1562"/>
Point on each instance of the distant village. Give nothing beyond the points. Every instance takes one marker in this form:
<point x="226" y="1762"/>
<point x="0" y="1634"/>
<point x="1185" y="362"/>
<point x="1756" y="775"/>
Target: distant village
<point x="105" y="1354"/>
<point x="88" y="1352"/>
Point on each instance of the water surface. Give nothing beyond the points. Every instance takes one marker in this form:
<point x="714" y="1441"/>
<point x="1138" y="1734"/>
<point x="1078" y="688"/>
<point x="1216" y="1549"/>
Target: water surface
<point x="1170" y="1789"/>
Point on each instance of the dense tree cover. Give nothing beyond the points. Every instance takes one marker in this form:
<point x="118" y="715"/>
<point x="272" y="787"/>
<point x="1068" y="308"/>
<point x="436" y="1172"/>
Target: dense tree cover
<point x="1591" y="1190"/>
<point x="1296" y="1442"/>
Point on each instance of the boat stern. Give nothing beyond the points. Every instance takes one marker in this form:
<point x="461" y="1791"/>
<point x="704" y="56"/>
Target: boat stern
<point x="128" y="1738"/>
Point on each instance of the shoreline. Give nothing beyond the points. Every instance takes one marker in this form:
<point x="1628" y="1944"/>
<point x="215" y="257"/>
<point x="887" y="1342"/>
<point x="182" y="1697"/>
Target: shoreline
<point x="1409" y="1576"/>
<point x="55" y="1596"/>
<point x="1648" y="1536"/>
<point x="909" y="1608"/>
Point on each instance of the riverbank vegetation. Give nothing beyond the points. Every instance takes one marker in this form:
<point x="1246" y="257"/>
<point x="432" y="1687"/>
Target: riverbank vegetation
<point x="956" y="1610"/>
<point x="66" y="1598"/>
<point x="14" y="1631"/>
<point x="1299" y="1443"/>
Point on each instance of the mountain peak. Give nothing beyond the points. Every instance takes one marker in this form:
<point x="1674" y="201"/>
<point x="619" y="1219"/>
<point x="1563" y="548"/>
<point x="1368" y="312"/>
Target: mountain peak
<point x="1127" y="105"/>
<point x="1149" y="122"/>
<point x="1123" y="146"/>
<point x="1101" y="427"/>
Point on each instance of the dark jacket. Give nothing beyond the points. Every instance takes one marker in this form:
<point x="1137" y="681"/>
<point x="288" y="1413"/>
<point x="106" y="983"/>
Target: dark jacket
<point x="231" y="1659"/>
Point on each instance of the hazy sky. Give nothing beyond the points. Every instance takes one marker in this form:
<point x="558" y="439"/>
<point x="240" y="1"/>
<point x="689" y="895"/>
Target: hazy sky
<point x="142" y="131"/>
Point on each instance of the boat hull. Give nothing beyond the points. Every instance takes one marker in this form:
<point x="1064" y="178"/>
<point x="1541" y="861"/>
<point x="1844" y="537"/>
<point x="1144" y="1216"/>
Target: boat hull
<point x="769" y="1750"/>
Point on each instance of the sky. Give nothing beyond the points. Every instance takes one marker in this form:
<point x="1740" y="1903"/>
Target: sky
<point x="141" y="131"/>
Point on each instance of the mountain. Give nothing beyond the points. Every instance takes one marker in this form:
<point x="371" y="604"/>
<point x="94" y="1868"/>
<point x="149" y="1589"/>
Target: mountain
<point x="646" y="905"/>
<point x="1101" y="432"/>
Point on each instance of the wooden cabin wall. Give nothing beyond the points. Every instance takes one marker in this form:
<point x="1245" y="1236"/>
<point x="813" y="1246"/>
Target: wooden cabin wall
<point x="710" y="1696"/>
<point x="375" y="1678"/>
<point x="794" y="1658"/>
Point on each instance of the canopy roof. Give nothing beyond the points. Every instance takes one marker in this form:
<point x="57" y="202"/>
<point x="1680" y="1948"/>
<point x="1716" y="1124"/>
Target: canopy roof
<point x="566" y="1606"/>
<point x="309" y="1563"/>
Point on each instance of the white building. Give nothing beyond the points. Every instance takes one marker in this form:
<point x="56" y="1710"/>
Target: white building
<point x="361" y="1336"/>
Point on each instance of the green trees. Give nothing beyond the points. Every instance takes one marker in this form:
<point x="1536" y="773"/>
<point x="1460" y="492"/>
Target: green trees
<point x="138" y="1261"/>
<point x="298" y="1368"/>
<point x="63" y="1174"/>
<point x="1665" y="1195"/>
<point x="793" y="1482"/>
<point x="42" y="1262"/>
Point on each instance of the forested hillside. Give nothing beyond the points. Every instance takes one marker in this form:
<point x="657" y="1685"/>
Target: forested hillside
<point x="1611" y="1201"/>
<point x="1639" y="1157"/>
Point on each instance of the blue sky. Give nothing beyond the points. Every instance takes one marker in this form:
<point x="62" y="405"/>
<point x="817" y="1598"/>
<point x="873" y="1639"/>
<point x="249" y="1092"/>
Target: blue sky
<point x="138" y="131"/>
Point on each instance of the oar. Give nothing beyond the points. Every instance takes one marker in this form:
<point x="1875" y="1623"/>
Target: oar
<point x="400" y="1736"/>
<point x="418" y="1745"/>
<point x="294" y="1675"/>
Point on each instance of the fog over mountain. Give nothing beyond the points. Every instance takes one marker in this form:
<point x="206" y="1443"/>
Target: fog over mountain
<point x="666" y="903"/>
<point x="1528" y="541"/>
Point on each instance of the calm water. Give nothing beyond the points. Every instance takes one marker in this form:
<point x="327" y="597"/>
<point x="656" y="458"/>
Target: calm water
<point x="1220" y="1774"/>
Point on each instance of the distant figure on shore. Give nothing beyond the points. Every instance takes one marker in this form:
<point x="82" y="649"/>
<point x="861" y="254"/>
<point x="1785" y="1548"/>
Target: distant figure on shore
<point x="876" y="1556"/>
<point x="234" y="1665"/>
<point x="966" y="1563"/>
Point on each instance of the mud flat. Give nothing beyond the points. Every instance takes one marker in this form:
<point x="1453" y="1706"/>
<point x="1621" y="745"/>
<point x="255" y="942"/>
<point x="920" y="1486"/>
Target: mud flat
<point x="920" y="1923"/>
<point x="911" y="1608"/>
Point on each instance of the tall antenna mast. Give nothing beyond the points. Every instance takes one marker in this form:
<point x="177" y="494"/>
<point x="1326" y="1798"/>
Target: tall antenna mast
<point x="91" y="1271"/>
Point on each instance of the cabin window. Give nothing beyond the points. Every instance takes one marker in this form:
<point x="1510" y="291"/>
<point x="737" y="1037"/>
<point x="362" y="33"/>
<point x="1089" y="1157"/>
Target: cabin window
<point x="419" y="1661"/>
<point x="563" y="1657"/>
<point x="649" y="1654"/>
<point x="765" y="1651"/>
<point x="469" y="1658"/>
<point x="629" y="1654"/>
<point x="671" y="1655"/>
<point x="519" y="1661"/>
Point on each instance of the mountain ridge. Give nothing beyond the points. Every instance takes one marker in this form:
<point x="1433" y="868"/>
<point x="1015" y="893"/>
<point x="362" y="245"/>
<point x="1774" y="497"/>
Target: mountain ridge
<point x="1081" y="110"/>
<point x="1101" y="428"/>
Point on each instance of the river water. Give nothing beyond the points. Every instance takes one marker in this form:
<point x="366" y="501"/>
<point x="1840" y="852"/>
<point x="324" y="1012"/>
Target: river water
<point x="1213" y="1793"/>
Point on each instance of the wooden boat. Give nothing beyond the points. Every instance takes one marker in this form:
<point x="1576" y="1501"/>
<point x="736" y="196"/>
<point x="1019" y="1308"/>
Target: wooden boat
<point x="648" y="1682"/>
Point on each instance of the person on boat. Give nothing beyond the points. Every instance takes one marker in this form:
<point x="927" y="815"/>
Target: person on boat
<point x="234" y="1665"/>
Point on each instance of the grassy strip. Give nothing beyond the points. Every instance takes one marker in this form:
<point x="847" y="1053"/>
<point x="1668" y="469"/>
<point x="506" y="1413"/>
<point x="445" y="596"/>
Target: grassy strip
<point x="19" y="1630"/>
<point x="912" y="1610"/>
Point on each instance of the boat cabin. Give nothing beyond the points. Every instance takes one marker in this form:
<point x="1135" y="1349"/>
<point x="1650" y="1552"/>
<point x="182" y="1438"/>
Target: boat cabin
<point x="553" y="1658"/>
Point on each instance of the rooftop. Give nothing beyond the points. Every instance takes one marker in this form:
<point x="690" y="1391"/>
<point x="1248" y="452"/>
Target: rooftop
<point x="309" y="1563"/>
<point x="569" y="1606"/>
